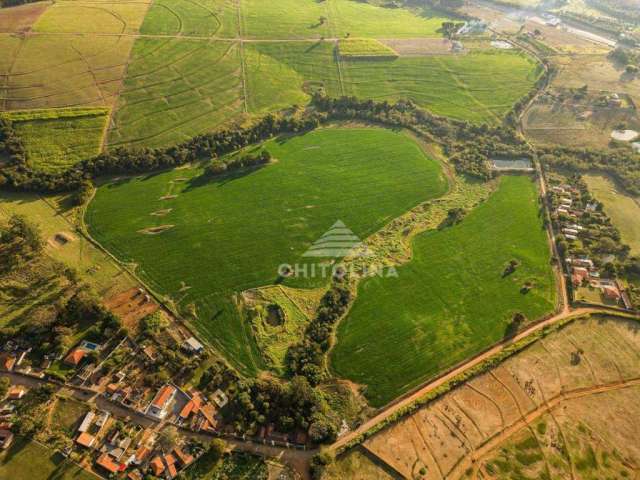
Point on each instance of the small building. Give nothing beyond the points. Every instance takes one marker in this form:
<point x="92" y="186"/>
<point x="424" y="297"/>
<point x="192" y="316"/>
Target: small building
<point x="192" y="345"/>
<point x="86" y="422"/>
<point x="108" y="464"/>
<point x="74" y="357"/>
<point x="7" y="361"/>
<point x="159" y="407"/>
<point x="6" y="439"/>
<point x="579" y="275"/>
<point x="611" y="293"/>
<point x="192" y="406"/>
<point x="134" y="475"/>
<point x="571" y="237"/>
<point x="85" y="440"/>
<point x="170" y="461"/>
<point x="570" y="231"/>
<point x="581" y="262"/>
<point x="102" y="419"/>
<point x="157" y="466"/>
<point x="16" y="392"/>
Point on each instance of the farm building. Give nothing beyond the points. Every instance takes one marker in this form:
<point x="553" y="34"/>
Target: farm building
<point x="108" y="464"/>
<point x="611" y="293"/>
<point x="579" y="274"/>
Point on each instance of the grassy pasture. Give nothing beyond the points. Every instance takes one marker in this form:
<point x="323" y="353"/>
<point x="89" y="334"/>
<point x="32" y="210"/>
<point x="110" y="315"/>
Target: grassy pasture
<point x="70" y="16"/>
<point x="284" y="19"/>
<point x="58" y="139"/>
<point x="175" y="89"/>
<point x="282" y="74"/>
<point x="240" y="228"/>
<point x="53" y="215"/>
<point x="454" y="299"/>
<point x="364" y="47"/>
<point x="61" y="71"/>
<point x="623" y="209"/>
<point x="480" y="86"/>
<point x="25" y="460"/>
<point x="365" y="19"/>
<point x="197" y="18"/>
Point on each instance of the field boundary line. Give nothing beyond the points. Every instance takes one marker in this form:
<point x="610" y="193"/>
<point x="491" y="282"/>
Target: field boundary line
<point x="546" y="407"/>
<point x="243" y="70"/>
<point x="116" y="100"/>
<point x="9" y="74"/>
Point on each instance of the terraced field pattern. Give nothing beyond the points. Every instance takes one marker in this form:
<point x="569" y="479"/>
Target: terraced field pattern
<point x="565" y="407"/>
<point x="169" y="70"/>
<point x="241" y="227"/>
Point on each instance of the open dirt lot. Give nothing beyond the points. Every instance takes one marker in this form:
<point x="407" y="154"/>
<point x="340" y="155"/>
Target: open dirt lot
<point x="588" y="372"/>
<point x="131" y="306"/>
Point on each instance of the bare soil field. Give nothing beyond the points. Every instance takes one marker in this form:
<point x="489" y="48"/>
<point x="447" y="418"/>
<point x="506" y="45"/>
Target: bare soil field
<point x="21" y="18"/>
<point x="418" y="47"/>
<point x="582" y="379"/>
<point x="131" y="306"/>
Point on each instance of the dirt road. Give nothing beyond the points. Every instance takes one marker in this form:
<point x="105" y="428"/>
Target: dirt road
<point x="412" y="397"/>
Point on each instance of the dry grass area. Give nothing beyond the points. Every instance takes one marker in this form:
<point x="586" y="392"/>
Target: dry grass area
<point x="564" y="41"/>
<point x="581" y="381"/>
<point x="596" y="71"/>
<point x="497" y="19"/>
<point x="21" y="18"/>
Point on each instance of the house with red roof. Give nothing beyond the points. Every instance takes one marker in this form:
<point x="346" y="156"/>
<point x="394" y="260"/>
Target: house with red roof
<point x="74" y="357"/>
<point x="159" y="406"/>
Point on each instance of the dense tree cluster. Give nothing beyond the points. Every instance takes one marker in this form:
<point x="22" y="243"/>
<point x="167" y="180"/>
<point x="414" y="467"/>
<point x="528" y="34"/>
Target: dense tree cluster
<point x="219" y="167"/>
<point x="288" y="406"/>
<point x="19" y="176"/>
<point x="20" y="241"/>
<point x="307" y="358"/>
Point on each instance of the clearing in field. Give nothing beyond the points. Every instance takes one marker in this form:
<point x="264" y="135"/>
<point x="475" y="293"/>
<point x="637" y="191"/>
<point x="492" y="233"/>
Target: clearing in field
<point x="26" y="460"/>
<point x="58" y="139"/>
<point x="240" y="228"/>
<point x="481" y="86"/>
<point x="565" y="404"/>
<point x="192" y="18"/>
<point x="285" y="19"/>
<point x="48" y="71"/>
<point x="71" y="16"/>
<point x="623" y="210"/>
<point x="283" y="74"/>
<point x="21" y="18"/>
<point x="176" y="89"/>
<point x="350" y="48"/>
<point x="456" y="298"/>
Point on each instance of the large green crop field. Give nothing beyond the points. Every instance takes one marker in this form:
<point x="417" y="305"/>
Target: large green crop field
<point x="480" y="86"/>
<point x="175" y="89"/>
<point x="451" y="300"/>
<point x="240" y="228"/>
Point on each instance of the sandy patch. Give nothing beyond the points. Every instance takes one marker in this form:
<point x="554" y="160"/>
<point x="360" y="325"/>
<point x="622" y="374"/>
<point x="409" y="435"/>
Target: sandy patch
<point x="60" y="239"/>
<point x="168" y="197"/>
<point x="161" y="213"/>
<point x="156" y="230"/>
